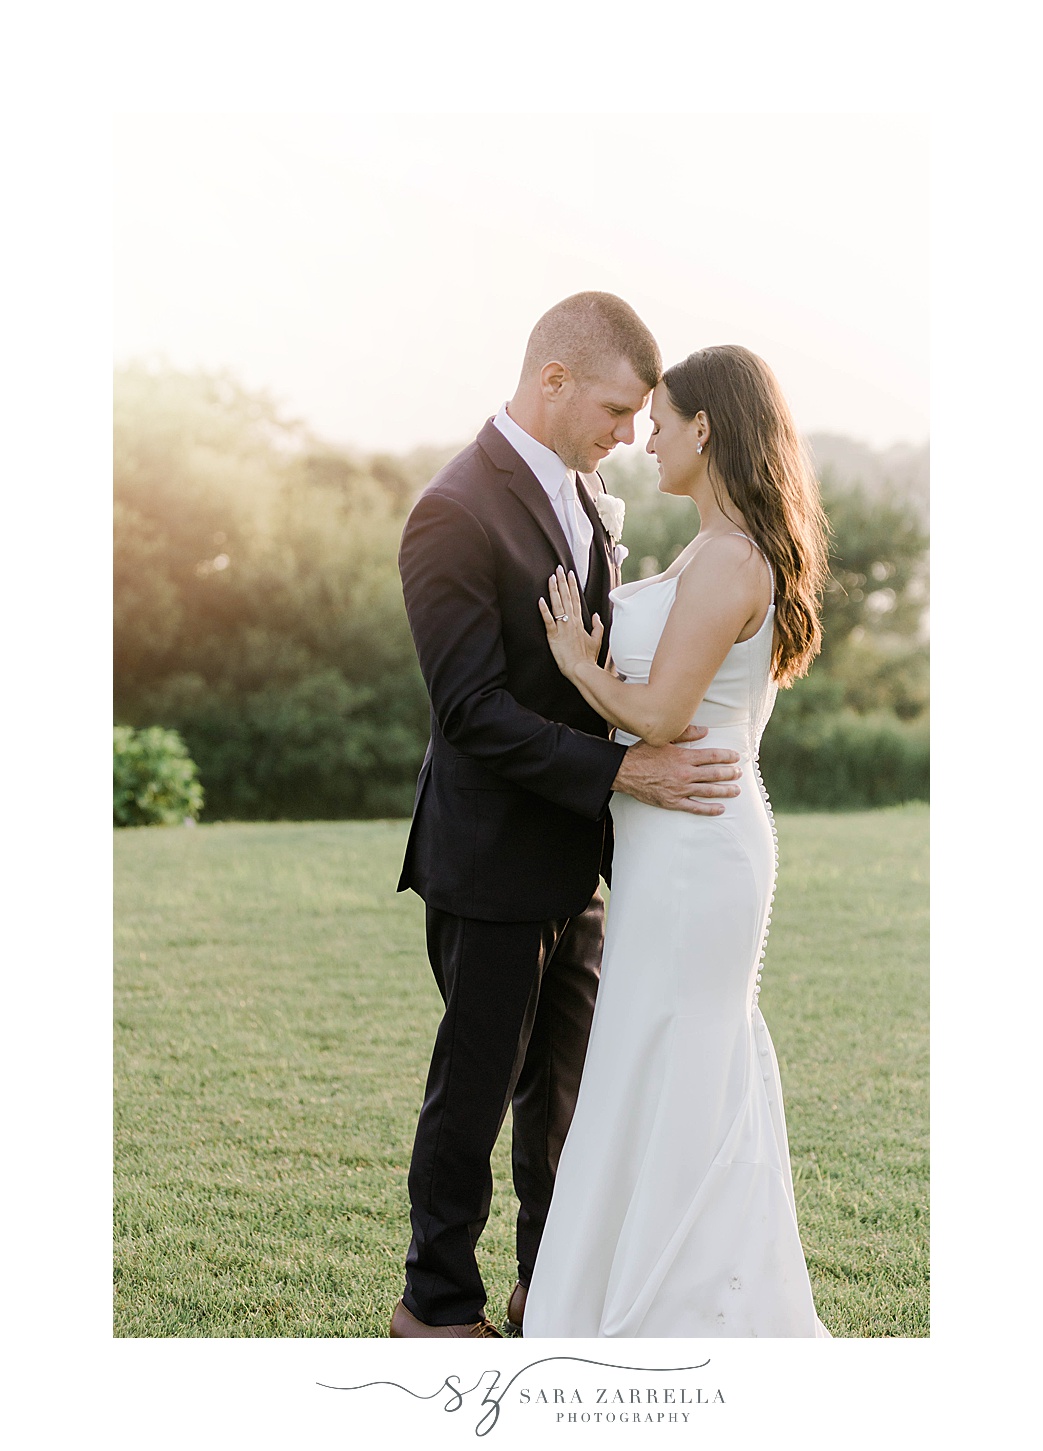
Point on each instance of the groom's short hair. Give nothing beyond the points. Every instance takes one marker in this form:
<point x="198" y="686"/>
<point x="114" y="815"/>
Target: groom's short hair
<point x="588" y="330"/>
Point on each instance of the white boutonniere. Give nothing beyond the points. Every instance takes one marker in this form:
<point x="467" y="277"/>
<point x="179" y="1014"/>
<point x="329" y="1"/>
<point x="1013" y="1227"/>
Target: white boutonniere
<point x="611" y="510"/>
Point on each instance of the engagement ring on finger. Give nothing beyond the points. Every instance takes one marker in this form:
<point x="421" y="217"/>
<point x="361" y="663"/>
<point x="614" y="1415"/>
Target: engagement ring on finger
<point x="562" y="619"/>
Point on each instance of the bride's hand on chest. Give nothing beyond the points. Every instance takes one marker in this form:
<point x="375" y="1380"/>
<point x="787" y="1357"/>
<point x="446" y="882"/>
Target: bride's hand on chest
<point x="569" y="641"/>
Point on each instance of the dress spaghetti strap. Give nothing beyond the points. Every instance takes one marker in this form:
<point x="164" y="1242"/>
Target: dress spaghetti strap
<point x="767" y="561"/>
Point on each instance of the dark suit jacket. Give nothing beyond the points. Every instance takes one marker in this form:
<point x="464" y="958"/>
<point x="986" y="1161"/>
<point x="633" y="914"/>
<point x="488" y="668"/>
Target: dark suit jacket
<point x="510" y="821"/>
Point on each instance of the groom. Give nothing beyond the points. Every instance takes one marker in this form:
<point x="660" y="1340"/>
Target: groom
<point x="510" y="825"/>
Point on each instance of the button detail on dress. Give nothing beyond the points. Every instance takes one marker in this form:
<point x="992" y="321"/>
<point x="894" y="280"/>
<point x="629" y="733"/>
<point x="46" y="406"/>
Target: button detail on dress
<point x="775" y="875"/>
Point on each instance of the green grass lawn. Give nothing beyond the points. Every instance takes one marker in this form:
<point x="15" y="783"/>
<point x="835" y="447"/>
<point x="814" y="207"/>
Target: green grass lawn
<point x="274" y="1015"/>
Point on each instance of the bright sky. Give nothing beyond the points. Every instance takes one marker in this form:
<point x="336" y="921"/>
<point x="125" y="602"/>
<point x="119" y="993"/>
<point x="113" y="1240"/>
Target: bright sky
<point x="380" y="275"/>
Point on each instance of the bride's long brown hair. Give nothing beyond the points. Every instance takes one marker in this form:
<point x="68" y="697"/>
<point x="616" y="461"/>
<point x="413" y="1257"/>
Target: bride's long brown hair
<point x="757" y="460"/>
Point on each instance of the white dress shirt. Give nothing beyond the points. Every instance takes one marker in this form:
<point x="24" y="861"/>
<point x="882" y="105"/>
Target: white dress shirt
<point x="559" y="484"/>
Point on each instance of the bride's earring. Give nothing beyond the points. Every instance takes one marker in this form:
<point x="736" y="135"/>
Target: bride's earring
<point x="698" y="448"/>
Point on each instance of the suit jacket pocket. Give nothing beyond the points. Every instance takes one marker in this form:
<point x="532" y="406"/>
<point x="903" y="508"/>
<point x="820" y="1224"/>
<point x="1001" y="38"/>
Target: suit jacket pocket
<point x="471" y="775"/>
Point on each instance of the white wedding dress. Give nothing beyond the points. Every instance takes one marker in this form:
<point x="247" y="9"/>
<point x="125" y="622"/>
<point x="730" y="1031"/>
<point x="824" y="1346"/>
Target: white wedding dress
<point x="673" y="1210"/>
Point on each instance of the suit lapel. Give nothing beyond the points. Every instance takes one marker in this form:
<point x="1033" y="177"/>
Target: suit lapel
<point x="590" y="485"/>
<point x="603" y="574"/>
<point x="526" y="487"/>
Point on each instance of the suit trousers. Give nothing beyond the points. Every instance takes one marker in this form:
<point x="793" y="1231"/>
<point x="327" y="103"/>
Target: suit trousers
<point x="519" y="998"/>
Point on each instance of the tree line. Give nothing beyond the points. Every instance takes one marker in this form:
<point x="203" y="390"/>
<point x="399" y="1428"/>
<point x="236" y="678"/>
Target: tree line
<point x="258" y="612"/>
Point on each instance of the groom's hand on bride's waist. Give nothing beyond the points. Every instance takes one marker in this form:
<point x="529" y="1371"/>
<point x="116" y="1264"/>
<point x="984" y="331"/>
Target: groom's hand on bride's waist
<point x="680" y="778"/>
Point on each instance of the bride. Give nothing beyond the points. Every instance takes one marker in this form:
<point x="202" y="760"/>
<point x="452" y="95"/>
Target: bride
<point x="673" y="1211"/>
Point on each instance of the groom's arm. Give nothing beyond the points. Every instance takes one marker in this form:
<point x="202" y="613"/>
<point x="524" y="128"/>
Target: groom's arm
<point x="449" y="585"/>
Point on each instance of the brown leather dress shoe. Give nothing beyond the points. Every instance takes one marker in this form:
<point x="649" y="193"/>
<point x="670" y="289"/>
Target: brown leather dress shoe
<point x="515" y="1310"/>
<point x="405" y="1325"/>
